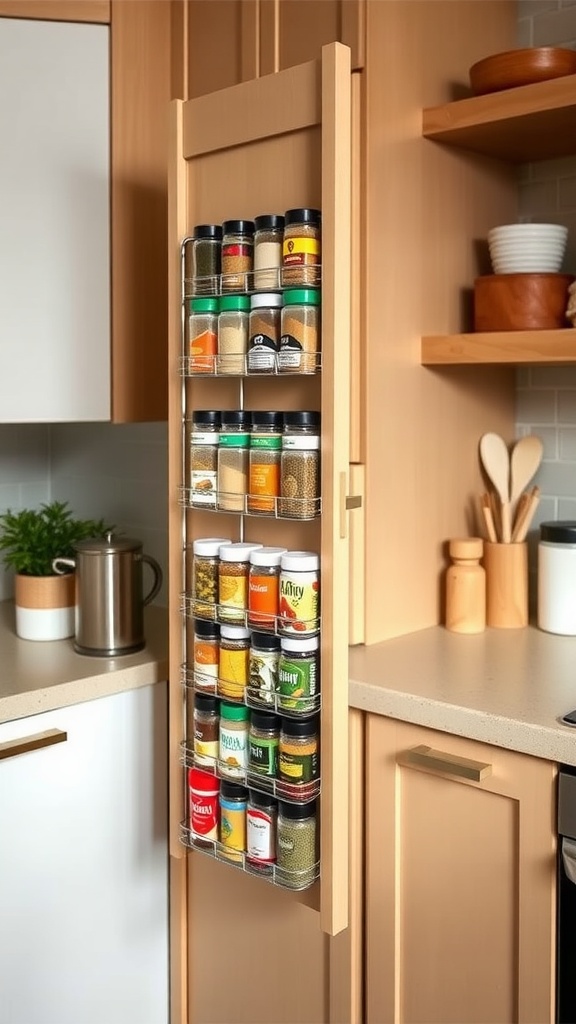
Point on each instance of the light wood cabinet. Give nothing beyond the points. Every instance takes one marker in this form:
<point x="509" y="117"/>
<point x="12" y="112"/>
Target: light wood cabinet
<point x="460" y="880"/>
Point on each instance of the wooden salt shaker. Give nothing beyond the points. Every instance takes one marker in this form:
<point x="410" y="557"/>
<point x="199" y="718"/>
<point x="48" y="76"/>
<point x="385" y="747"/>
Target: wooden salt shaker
<point x="466" y="587"/>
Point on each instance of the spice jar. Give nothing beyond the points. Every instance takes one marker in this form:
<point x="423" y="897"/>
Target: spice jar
<point x="202" y="335"/>
<point x="233" y="740"/>
<point x="206" y="730"/>
<point x="203" y="264"/>
<point x="299" y="331"/>
<point x="237" y="254"/>
<point x="233" y="460"/>
<point x="263" y="669"/>
<point x="264" y="462"/>
<point x="301" y="248"/>
<point x="233" y="804"/>
<point x="202" y="451"/>
<point x="234" y="662"/>
<point x="268" y="238"/>
<point x="261" y="817"/>
<point x="233" y="334"/>
<point x="233" y="570"/>
<point x="298" y="675"/>
<point x="203" y="791"/>
<point x="264" y="332"/>
<point x="299" y="593"/>
<point x="263" y="740"/>
<point x="296" y="845"/>
<point x="300" y="466"/>
<point x="298" y="759"/>
<point x="205" y="575"/>
<point x="206" y="654"/>
<point x="264" y="587"/>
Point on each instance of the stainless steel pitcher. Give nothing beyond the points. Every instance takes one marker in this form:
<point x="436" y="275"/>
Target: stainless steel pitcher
<point x="109" y="601"/>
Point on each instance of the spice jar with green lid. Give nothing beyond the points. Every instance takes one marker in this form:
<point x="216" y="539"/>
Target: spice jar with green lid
<point x="205" y="576"/>
<point x="233" y="573"/>
<point x="300" y="466"/>
<point x="297" y="853"/>
<point x="268" y="238"/>
<point x="233" y="460"/>
<point x="298" y="675"/>
<point x="202" y="454"/>
<point x="298" y="758"/>
<point x="301" y="248"/>
<point x="234" y="658"/>
<point x="233" y="334"/>
<point x="233" y="740"/>
<point x="263" y="740"/>
<point x="264" y="462"/>
<point x="202" y="261"/>
<point x="264" y="331"/>
<point x="237" y="255"/>
<point x="300" y="331"/>
<point x="202" y="331"/>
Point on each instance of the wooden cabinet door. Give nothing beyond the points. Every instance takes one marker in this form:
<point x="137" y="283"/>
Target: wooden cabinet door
<point x="292" y="31"/>
<point x="220" y="43"/>
<point x="460" y="880"/>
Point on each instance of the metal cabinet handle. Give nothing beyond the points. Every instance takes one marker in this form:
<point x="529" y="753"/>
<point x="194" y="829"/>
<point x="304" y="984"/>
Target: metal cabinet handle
<point x="448" y="764"/>
<point x="13" y="748"/>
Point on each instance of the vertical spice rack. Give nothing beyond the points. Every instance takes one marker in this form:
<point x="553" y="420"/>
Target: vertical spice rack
<point x="273" y="144"/>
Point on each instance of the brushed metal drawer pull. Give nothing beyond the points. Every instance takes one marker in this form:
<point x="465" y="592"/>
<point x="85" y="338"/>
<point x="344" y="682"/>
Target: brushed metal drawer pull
<point x="12" y="748"/>
<point x="448" y="764"/>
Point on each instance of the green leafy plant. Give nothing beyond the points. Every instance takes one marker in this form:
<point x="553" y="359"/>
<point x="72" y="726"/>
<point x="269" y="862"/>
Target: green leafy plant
<point x="31" y="538"/>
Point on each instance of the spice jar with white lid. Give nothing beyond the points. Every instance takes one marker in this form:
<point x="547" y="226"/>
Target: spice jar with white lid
<point x="234" y="443"/>
<point x="299" y="593"/>
<point x="233" y="572"/>
<point x="557" y="577"/>
<point x="205" y="575"/>
<point x="268" y="238"/>
<point x="264" y="331"/>
<point x="300" y="466"/>
<point x="237" y="255"/>
<point x="233" y="334"/>
<point x="264" y="587"/>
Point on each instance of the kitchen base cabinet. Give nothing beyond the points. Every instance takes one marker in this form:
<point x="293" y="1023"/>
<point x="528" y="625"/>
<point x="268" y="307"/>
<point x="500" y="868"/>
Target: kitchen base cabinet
<point x="460" y="880"/>
<point x="83" y="864"/>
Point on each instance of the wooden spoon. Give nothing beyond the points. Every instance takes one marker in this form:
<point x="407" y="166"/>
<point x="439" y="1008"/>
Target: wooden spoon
<point x="496" y="462"/>
<point x="524" y="462"/>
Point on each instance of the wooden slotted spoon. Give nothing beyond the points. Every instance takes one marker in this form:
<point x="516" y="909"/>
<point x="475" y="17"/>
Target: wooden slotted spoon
<point x="496" y="462"/>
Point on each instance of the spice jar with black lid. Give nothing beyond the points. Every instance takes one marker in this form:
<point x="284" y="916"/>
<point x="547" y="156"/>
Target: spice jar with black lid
<point x="268" y="238"/>
<point x="237" y="255"/>
<point x="296" y="845"/>
<point x="202" y="255"/>
<point x="234" y="662"/>
<point x="263" y="740"/>
<point x="300" y="466"/>
<point x="301" y="248"/>
<point x="264" y="462"/>
<point x="206" y="730"/>
<point x="233" y="449"/>
<point x="205" y="656"/>
<point x="261" y="818"/>
<point x="233" y="803"/>
<point x="202" y="455"/>
<point x="298" y="758"/>
<point x="263" y="670"/>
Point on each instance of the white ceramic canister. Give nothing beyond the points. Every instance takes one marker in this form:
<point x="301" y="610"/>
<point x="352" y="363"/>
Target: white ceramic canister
<point x="557" y="577"/>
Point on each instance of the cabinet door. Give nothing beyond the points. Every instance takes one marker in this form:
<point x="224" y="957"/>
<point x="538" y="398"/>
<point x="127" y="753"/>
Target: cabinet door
<point x="54" y="210"/>
<point x="460" y="880"/>
<point x="83" y="864"/>
<point x="292" y="31"/>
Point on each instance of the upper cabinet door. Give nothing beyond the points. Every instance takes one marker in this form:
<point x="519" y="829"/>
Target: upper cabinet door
<point x="55" y="216"/>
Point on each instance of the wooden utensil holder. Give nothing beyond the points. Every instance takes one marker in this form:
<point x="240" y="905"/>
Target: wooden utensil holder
<point x="506" y="568"/>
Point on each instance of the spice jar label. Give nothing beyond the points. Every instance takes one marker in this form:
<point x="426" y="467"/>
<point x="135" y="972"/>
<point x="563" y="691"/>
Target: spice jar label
<point x="204" y="813"/>
<point x="263" y="755"/>
<point x="233" y="672"/>
<point x="299" y="603"/>
<point x="263" y="674"/>
<point x="260" y="840"/>
<point x="298" y="251"/>
<point x="301" y="766"/>
<point x="203" y="486"/>
<point x="205" y="665"/>
<point x="262" y="352"/>
<point x="202" y="352"/>
<point x="296" y="679"/>
<point x="262" y="599"/>
<point x="206" y="750"/>
<point x="233" y="591"/>
<point x="233" y="751"/>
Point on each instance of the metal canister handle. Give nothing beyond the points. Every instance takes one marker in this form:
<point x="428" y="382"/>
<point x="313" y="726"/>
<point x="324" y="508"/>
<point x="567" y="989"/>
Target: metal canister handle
<point x="68" y="563"/>
<point x="158" y="577"/>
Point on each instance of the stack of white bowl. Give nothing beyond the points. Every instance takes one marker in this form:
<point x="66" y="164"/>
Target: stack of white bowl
<point x="527" y="248"/>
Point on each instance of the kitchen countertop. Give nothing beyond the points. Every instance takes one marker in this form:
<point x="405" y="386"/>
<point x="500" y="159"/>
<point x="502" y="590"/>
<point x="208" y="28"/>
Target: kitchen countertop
<point x="505" y="687"/>
<point x="37" y="676"/>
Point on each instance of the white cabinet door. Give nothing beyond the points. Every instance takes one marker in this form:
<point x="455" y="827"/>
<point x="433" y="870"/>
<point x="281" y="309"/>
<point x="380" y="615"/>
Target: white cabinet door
<point x="55" y="222"/>
<point x="84" y="866"/>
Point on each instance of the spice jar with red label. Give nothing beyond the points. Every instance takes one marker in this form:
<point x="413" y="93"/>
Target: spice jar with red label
<point x="203" y="791"/>
<point x="237" y="255"/>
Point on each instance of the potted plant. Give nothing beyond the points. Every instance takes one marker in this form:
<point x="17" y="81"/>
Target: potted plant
<point x="30" y="540"/>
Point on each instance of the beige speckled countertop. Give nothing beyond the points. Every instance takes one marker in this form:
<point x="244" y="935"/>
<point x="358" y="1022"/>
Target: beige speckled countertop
<point x="505" y="687"/>
<point x="36" y="677"/>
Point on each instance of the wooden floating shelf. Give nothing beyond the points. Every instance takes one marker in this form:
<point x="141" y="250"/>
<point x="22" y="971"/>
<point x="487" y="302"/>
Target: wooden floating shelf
<point x="532" y="122"/>
<point x="512" y="348"/>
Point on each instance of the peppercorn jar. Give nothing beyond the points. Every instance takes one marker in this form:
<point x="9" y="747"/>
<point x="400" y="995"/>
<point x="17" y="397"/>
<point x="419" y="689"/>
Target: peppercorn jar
<point x="233" y="450"/>
<point x="263" y="741"/>
<point x="261" y="818"/>
<point x="300" y="466"/>
<point x="206" y="654"/>
<point x="299" y="331"/>
<point x="202" y="334"/>
<point x="203" y="793"/>
<point x="301" y="248"/>
<point x="237" y="255"/>
<point x="298" y="758"/>
<point x="233" y="740"/>
<point x="297" y="853"/>
<point x="233" y="334"/>
<point x="234" y="662"/>
<point x="264" y="462"/>
<point x="202" y="455"/>
<point x="268" y="238"/>
<point x="298" y="675"/>
<point x="206" y="730"/>
<point x="203" y="266"/>
<point x="299" y="593"/>
<point x="264" y="331"/>
<point x="233" y="805"/>
<point x="205" y="576"/>
<point x="263" y="670"/>
<point x="233" y="572"/>
<point x="264" y="587"/>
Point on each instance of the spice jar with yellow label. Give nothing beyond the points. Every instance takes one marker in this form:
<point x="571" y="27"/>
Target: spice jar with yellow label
<point x="301" y="253"/>
<point x="298" y="758"/>
<point x="205" y="563"/>
<point x="233" y="804"/>
<point x="233" y="575"/>
<point x="233" y="671"/>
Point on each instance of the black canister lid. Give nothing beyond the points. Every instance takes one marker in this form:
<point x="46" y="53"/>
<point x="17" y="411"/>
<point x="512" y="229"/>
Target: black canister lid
<point x="297" y="811"/>
<point x="303" y="215"/>
<point x="268" y="221"/>
<point x="261" y="799"/>
<point x="238" y="227"/>
<point x="208" y="231"/>
<point x="301" y="419"/>
<point x="267" y="419"/>
<point x="560" y="531"/>
<point x="233" y="791"/>
<point x="237" y="418"/>
<point x="263" y="720"/>
<point x="211" y="416"/>
<point x="266" y="641"/>
<point x="206" y="628"/>
<point x="300" y="726"/>
<point x="205" y="702"/>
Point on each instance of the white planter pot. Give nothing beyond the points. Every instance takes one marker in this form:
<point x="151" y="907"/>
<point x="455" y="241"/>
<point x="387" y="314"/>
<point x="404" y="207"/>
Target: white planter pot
<point x="45" y="606"/>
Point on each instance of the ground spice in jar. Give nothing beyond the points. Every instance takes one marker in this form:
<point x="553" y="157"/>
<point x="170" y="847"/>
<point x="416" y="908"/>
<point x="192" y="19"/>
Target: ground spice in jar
<point x="261" y="818"/>
<point x="202" y="335"/>
<point x="264" y="332"/>
<point x="233" y="572"/>
<point x="263" y="670"/>
<point x="264" y="462"/>
<point x="264" y="587"/>
<point x="233" y="334"/>
<point x="202" y="451"/>
<point x="296" y="845"/>
<point x="233" y="744"/>
<point x="300" y="466"/>
<point x="237" y="255"/>
<point x="299" y="593"/>
<point x="233" y="804"/>
<point x="234" y="662"/>
<point x="233" y="460"/>
<point x="202" y="259"/>
<point x="206" y="730"/>
<point x="205" y="576"/>
<point x="298" y="758"/>
<point x="263" y="741"/>
<point x="268" y="238"/>
<point x="298" y="675"/>
<point x="301" y="251"/>
<point x="300" y="331"/>
<point x="206" y="655"/>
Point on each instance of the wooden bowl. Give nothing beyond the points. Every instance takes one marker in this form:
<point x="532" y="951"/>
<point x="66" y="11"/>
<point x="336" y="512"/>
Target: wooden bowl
<point x="521" y="67"/>
<point x="521" y="302"/>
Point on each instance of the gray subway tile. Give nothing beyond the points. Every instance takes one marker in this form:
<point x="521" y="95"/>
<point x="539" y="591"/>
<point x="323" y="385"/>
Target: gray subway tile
<point x="536" y="406"/>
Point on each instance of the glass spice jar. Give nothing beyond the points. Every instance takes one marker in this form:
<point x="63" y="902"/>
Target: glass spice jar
<point x="233" y="572"/>
<point x="301" y="248"/>
<point x="206" y="655"/>
<point x="233" y="460"/>
<point x="264" y="332"/>
<point x="300" y="466"/>
<point x="237" y="255"/>
<point x="264" y="587"/>
<point x="203" y="793"/>
<point x="300" y="331"/>
<point x="298" y="675"/>
<point x="233" y="740"/>
<point x="299" y="593"/>
<point x="202" y="452"/>
<point x="263" y="741"/>
<point x="234" y="662"/>
<point x="296" y="845"/>
<point x="233" y="805"/>
<point x="263" y="670"/>
<point x="206" y="730"/>
<point x="268" y="238"/>
<point x="298" y="758"/>
<point x="203" y="264"/>
<point x="233" y="334"/>
<point x="202" y="335"/>
<point x="205" y="576"/>
<point x="264" y="462"/>
<point x="261" y="817"/>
